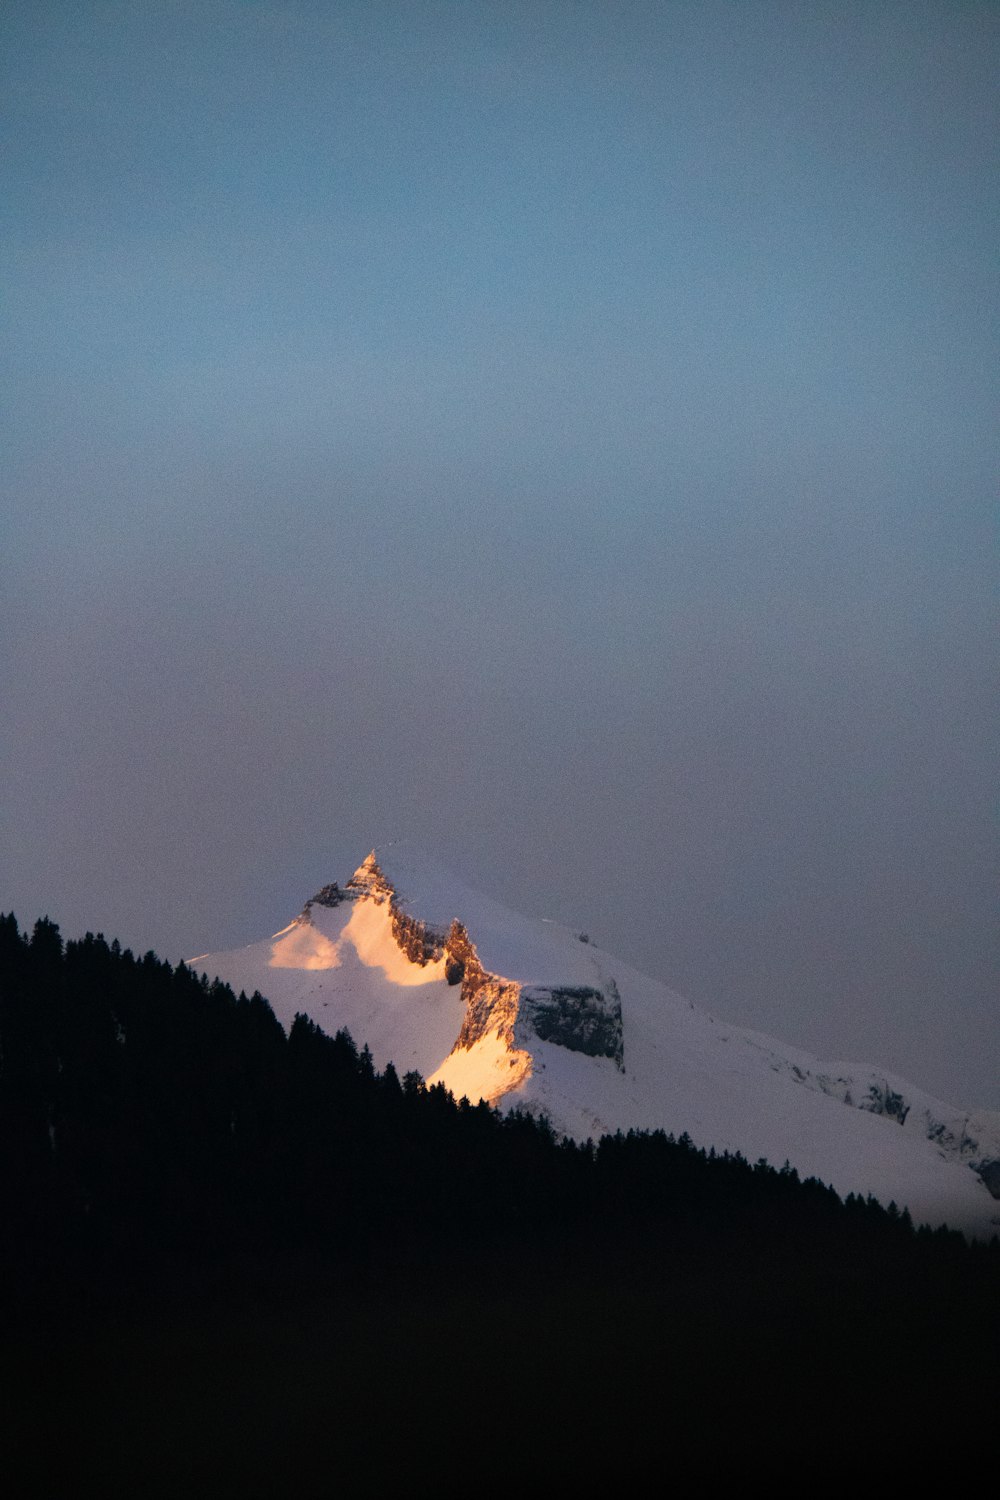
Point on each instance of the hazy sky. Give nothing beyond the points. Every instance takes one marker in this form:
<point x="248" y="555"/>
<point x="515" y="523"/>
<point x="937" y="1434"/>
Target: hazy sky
<point x="561" y="433"/>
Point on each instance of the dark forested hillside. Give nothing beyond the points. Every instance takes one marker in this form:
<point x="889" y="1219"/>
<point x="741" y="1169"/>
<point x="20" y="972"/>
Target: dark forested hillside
<point x="236" y="1259"/>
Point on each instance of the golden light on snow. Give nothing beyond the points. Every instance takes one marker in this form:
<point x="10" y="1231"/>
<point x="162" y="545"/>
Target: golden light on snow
<point x="488" y="1070"/>
<point x="370" y="932"/>
<point x="302" y="947"/>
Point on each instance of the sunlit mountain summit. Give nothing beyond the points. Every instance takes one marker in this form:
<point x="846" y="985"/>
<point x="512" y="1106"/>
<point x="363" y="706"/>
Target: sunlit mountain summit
<point x="439" y="979"/>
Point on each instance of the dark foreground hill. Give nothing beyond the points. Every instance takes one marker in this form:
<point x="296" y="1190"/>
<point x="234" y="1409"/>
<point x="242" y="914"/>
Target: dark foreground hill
<point x="239" y="1262"/>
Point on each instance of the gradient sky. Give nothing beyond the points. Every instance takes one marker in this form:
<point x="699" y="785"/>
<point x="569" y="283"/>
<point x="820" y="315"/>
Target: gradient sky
<point x="561" y="433"/>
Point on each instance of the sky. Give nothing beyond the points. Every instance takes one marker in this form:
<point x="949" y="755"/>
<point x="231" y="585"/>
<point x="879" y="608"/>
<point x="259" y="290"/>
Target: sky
<point x="561" y="434"/>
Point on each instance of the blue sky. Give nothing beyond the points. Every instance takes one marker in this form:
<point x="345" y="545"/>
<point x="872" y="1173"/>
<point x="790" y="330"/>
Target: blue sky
<point x="563" y="434"/>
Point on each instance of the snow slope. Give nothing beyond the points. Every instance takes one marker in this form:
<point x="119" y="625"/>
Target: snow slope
<point x="436" y="977"/>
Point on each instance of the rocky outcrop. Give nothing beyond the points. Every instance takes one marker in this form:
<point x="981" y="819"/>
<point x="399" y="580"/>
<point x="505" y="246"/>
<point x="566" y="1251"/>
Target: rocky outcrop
<point x="878" y="1098"/>
<point x="421" y="944"/>
<point x="989" y="1171"/>
<point x="580" y="1018"/>
<point x="882" y="1100"/>
<point x="329" y="895"/>
<point x="493" y="1007"/>
<point x="462" y="964"/>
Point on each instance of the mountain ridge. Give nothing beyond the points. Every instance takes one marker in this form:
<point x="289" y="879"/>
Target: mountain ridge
<point x="445" y="981"/>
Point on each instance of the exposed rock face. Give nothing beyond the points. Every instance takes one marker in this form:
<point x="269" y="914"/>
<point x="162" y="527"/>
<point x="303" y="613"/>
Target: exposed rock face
<point x="462" y="964"/>
<point x="580" y="1018"/>
<point x="882" y="1100"/>
<point x="980" y="1141"/>
<point x="879" y="1098"/>
<point x="493" y="1007"/>
<point x="421" y="944"/>
<point x="972" y="1138"/>
<point x="330" y="895"/>
<point x="989" y="1171"/>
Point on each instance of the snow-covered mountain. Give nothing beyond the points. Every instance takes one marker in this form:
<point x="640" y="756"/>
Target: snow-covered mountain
<point x="435" y="977"/>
